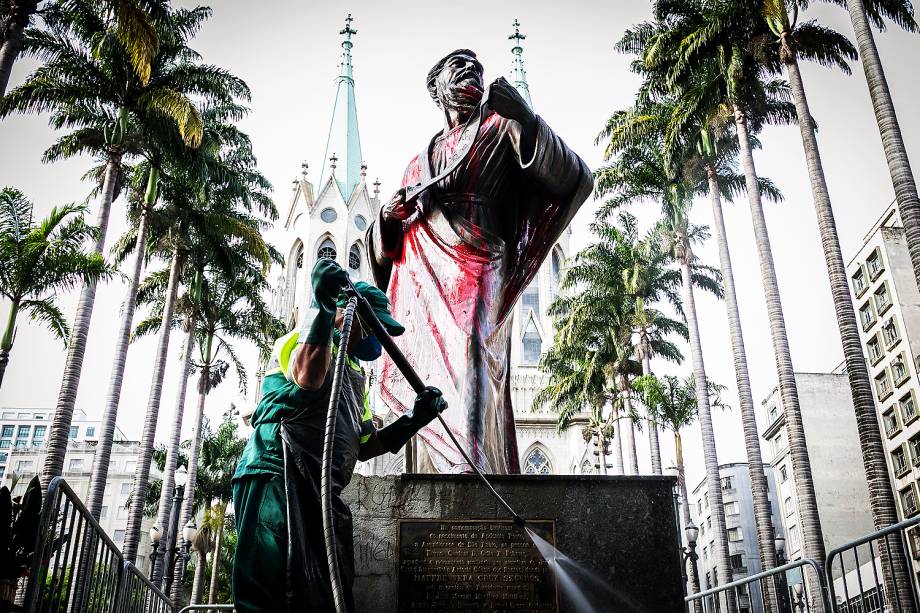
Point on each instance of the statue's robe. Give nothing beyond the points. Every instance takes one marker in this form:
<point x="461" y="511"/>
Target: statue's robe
<point x="454" y="271"/>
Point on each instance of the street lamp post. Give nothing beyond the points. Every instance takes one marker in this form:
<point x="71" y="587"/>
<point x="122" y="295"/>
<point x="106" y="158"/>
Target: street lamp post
<point x="181" y="478"/>
<point x="798" y="593"/>
<point x="155" y="535"/>
<point x="183" y="555"/>
<point x="689" y="553"/>
<point x="780" y="544"/>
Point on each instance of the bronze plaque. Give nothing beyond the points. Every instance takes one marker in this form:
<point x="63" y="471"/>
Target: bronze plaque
<point x="480" y="565"/>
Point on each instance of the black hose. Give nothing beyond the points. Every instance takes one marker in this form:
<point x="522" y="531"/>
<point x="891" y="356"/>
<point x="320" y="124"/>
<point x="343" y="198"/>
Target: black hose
<point x="328" y="440"/>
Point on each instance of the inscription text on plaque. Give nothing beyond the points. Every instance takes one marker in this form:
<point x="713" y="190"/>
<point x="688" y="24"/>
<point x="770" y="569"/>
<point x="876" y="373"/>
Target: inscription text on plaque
<point x="474" y="566"/>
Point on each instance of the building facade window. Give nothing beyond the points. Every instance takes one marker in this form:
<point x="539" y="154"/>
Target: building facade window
<point x="126" y="488"/>
<point x="555" y="273"/>
<point x="789" y="506"/>
<point x="530" y="299"/>
<point x="867" y="315"/>
<point x="104" y="512"/>
<point x="74" y="431"/>
<point x="7" y="432"/>
<point x="727" y="483"/>
<point x="537" y="463"/>
<point x="118" y="536"/>
<point x="735" y="535"/>
<point x="908" y="406"/>
<point x="90" y="431"/>
<point x="794" y="537"/>
<point x="899" y="462"/>
<point x="908" y="501"/>
<point x="354" y="257"/>
<point x="75" y="465"/>
<point x="328" y="215"/>
<point x="890" y="333"/>
<point x="883" y="387"/>
<point x="23" y="466"/>
<point x="38" y="436"/>
<point x="859" y="282"/>
<point x="874" y="349"/>
<point x="732" y="508"/>
<point x="737" y="561"/>
<point x="874" y="264"/>
<point x="360" y="222"/>
<point x="914" y="446"/>
<point x="326" y="250"/>
<point x="899" y="370"/>
<point x="773" y="413"/>
<point x="882" y="298"/>
<point x="892" y="424"/>
<point x="783" y="474"/>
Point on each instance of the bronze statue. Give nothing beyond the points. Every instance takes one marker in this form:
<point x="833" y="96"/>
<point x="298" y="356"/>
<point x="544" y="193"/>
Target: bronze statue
<point x="454" y="258"/>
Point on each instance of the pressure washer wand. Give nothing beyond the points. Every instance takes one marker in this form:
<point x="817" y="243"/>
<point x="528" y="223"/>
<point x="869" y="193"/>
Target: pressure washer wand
<point x="369" y="319"/>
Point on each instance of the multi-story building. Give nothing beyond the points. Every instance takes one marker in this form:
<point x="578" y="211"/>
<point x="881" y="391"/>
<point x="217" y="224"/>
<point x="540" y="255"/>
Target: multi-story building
<point x="330" y="219"/>
<point x="885" y="295"/>
<point x="740" y="526"/>
<point x="835" y="457"/>
<point x="23" y="439"/>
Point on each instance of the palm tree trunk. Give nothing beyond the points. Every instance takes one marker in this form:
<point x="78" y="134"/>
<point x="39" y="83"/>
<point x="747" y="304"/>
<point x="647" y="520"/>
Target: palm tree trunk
<point x="654" y="448"/>
<point x="188" y="501"/>
<point x="8" y="335"/>
<point x="895" y="568"/>
<point x="692" y="573"/>
<point x="142" y="473"/>
<point x="759" y="487"/>
<point x="172" y="451"/>
<point x="76" y="345"/>
<point x="632" y="455"/>
<point x="798" y="446"/>
<point x="902" y="177"/>
<point x="215" y="560"/>
<point x="8" y="53"/>
<point x="201" y="567"/>
<point x="710" y="457"/>
<point x="617" y="440"/>
<point x="103" y="453"/>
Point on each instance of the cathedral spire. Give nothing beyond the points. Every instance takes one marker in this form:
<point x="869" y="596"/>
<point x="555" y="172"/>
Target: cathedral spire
<point x="344" y="139"/>
<point x="518" y="74"/>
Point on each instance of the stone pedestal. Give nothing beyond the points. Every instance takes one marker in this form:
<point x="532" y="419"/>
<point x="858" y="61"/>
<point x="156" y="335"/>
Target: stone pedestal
<point x="621" y="530"/>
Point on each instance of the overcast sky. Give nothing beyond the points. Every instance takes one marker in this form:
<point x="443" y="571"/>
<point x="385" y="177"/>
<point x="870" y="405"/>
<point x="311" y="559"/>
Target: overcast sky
<point x="288" y="52"/>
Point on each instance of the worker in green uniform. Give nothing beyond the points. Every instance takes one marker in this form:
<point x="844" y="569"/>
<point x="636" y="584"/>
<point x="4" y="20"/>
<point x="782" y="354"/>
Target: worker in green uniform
<point x="280" y="562"/>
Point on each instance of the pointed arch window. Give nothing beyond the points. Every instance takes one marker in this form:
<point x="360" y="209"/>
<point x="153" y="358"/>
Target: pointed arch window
<point x="537" y="463"/>
<point x="587" y="468"/>
<point x="326" y="250"/>
<point x="555" y="272"/>
<point x="354" y="257"/>
<point x="531" y="345"/>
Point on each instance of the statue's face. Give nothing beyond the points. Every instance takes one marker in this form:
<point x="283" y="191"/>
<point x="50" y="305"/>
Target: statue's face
<point x="459" y="84"/>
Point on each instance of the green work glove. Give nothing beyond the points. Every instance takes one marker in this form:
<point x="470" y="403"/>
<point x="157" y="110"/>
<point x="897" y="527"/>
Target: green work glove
<point x="428" y="405"/>
<point x="328" y="279"/>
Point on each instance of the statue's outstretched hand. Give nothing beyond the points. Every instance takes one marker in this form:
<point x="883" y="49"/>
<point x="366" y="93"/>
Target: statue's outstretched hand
<point x="397" y="209"/>
<point x="505" y="100"/>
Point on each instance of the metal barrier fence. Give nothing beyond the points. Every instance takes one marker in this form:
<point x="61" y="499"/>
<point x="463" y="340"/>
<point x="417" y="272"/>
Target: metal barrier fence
<point x="207" y="607"/>
<point x="788" y="582"/>
<point x="77" y="567"/>
<point x="855" y="580"/>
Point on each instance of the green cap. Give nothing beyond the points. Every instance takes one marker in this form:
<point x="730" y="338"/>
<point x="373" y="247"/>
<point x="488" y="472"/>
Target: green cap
<point x="379" y="302"/>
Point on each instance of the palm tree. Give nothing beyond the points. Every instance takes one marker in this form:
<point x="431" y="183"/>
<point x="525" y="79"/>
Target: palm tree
<point x="37" y="260"/>
<point x="813" y="42"/>
<point x="640" y="173"/>
<point x="88" y="83"/>
<point x="132" y="27"/>
<point x="673" y="403"/>
<point x="862" y="12"/>
<point x="709" y="57"/>
<point x="204" y="223"/>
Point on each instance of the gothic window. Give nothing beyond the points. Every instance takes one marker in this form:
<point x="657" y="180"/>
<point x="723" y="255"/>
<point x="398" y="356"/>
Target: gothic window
<point x="300" y="257"/>
<point x="537" y="463"/>
<point x="555" y="271"/>
<point x="326" y="250"/>
<point x="586" y="468"/>
<point x="530" y="299"/>
<point x="360" y="223"/>
<point x="531" y="345"/>
<point x="328" y="215"/>
<point x="354" y="257"/>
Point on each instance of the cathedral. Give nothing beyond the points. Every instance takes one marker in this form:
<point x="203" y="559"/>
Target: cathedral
<point x="329" y="219"/>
